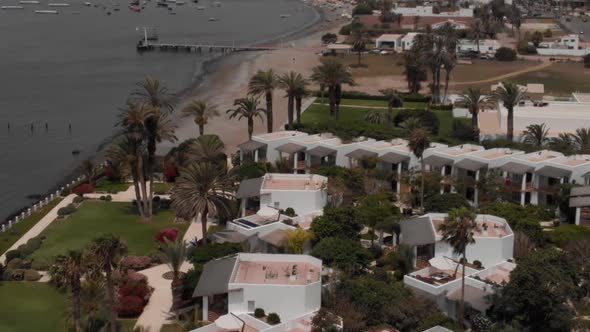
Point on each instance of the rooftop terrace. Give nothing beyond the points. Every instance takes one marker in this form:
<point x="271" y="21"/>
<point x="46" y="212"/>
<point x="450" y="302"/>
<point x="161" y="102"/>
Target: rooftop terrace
<point x="462" y="149"/>
<point x="293" y="182"/>
<point x="493" y="228"/>
<point x="498" y="153"/>
<point x="280" y="135"/>
<point x="539" y="156"/>
<point x="276" y="273"/>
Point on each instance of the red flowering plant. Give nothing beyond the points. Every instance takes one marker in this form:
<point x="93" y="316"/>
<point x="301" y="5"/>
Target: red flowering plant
<point x="167" y="235"/>
<point x="82" y="189"/>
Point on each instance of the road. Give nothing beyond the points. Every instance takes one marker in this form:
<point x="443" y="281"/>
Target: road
<point x="576" y="26"/>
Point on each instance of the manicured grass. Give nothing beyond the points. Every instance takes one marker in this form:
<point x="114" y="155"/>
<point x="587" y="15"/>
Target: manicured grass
<point x="31" y="306"/>
<point x="162" y="188"/>
<point x="94" y="218"/>
<point x="112" y="187"/>
<point x="371" y="103"/>
<point x="318" y="114"/>
<point x="8" y="238"/>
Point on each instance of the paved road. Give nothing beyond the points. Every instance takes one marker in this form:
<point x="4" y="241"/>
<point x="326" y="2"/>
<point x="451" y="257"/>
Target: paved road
<point x="576" y="26"/>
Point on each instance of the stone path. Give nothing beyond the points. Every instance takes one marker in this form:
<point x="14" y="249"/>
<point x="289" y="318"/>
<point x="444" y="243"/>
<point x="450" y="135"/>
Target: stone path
<point x="39" y="226"/>
<point x="156" y="312"/>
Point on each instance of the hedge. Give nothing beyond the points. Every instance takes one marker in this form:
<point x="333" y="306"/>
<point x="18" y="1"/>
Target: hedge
<point x="406" y="97"/>
<point x="31" y="275"/>
<point x="66" y="210"/>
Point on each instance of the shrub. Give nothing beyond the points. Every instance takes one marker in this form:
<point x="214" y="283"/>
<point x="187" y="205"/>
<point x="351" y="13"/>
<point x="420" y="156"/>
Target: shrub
<point x="64" y="192"/>
<point x="39" y="265"/>
<point x="362" y="8"/>
<point x="14" y="263"/>
<point x="428" y="119"/>
<point x="13" y="275"/>
<point x="290" y="212"/>
<point x="66" y="210"/>
<point x="136" y="262"/>
<point x="477" y="264"/>
<point x="130" y="306"/>
<point x="84" y="188"/>
<point x="203" y="254"/>
<point x="505" y="54"/>
<point x="441" y="107"/>
<point x="167" y="235"/>
<point x="26" y="250"/>
<point x="565" y="234"/>
<point x="109" y="198"/>
<point x="273" y="318"/>
<point x="345" y="30"/>
<point x="12" y="254"/>
<point x="445" y="202"/>
<point x="102" y="198"/>
<point x="190" y="281"/>
<point x="31" y="275"/>
<point x="525" y="48"/>
<point x="259" y="313"/>
<point x="78" y="199"/>
<point x="462" y="131"/>
<point x="134" y="288"/>
<point x="170" y="174"/>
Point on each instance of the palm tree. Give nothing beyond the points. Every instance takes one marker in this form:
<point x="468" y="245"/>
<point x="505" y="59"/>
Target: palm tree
<point x="564" y="143"/>
<point x="582" y="139"/>
<point x="419" y="142"/>
<point x="375" y="117"/>
<point x="174" y="254"/>
<point x="301" y="92"/>
<point x="411" y="124"/>
<point x="475" y="101"/>
<point x="449" y="62"/>
<point x="393" y="98"/>
<point x="89" y="171"/>
<point x="264" y="83"/>
<point x="201" y="111"/>
<point x="154" y="93"/>
<point x="332" y="74"/>
<point x="247" y="108"/>
<point x="457" y="231"/>
<point x="359" y="43"/>
<point x="105" y="253"/>
<point x="536" y="135"/>
<point x="204" y="189"/>
<point x="67" y="272"/>
<point x="124" y="152"/>
<point x="476" y="29"/>
<point x="510" y="94"/>
<point x="413" y="69"/>
<point x="208" y="148"/>
<point x="294" y="84"/>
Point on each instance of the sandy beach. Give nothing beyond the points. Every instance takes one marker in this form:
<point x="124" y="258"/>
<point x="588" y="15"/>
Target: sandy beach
<point x="229" y="78"/>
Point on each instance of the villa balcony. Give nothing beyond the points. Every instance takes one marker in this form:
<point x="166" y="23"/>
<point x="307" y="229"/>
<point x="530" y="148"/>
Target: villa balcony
<point x="517" y="187"/>
<point x="550" y="189"/>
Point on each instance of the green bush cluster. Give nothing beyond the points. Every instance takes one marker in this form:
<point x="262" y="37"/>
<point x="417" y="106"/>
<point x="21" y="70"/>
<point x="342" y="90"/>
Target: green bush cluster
<point x="20" y="275"/>
<point x="445" y="202"/>
<point x="273" y="318"/>
<point x="66" y="210"/>
<point x="259" y="313"/>
<point x="406" y="97"/>
<point x="462" y="131"/>
<point x="78" y="199"/>
<point x="505" y="54"/>
<point x="428" y="119"/>
<point x="524" y="47"/>
<point x="349" y="130"/>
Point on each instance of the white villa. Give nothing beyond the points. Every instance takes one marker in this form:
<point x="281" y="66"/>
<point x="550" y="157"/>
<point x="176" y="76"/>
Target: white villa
<point x="428" y="11"/>
<point x="231" y="289"/>
<point x="439" y="278"/>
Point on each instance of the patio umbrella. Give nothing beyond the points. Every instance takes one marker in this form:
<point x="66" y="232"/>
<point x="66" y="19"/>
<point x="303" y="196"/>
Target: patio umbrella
<point x="442" y="263"/>
<point x="228" y="322"/>
<point x="267" y="213"/>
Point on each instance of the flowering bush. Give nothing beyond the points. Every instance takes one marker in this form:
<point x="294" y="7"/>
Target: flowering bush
<point x="82" y="189"/>
<point x="130" y="306"/>
<point x="136" y="262"/>
<point x="134" y="288"/>
<point x="170" y="173"/>
<point x="167" y="235"/>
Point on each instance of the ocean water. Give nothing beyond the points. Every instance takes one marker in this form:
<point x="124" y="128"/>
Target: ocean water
<point x="77" y="68"/>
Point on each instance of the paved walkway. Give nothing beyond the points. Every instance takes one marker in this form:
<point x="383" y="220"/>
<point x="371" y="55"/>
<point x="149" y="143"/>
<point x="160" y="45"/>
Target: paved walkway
<point x="157" y="310"/>
<point x="123" y="196"/>
<point x="39" y="226"/>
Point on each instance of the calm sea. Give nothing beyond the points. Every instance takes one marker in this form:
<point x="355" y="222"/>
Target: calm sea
<point x="79" y="66"/>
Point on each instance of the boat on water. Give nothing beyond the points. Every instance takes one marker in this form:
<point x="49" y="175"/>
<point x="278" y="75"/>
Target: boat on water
<point x="11" y="7"/>
<point x="136" y="9"/>
<point x="52" y="12"/>
<point x="29" y="2"/>
<point x="59" y="5"/>
<point x="180" y="3"/>
<point x="216" y="4"/>
<point x="212" y="19"/>
<point x="200" y="8"/>
<point x="285" y="16"/>
<point x="87" y="4"/>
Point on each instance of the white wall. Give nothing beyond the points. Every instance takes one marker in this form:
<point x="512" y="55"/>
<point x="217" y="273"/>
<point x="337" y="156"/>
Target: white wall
<point x="288" y="301"/>
<point x="488" y="250"/>
<point x="563" y="51"/>
<point x="303" y="202"/>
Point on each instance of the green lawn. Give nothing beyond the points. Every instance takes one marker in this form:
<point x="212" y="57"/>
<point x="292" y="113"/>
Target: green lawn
<point x="560" y="79"/>
<point x="162" y="188"/>
<point x="372" y="103"/>
<point x="8" y="238"/>
<point x="112" y="187"/>
<point x="318" y="114"/>
<point x="94" y="218"/>
<point x="31" y="306"/>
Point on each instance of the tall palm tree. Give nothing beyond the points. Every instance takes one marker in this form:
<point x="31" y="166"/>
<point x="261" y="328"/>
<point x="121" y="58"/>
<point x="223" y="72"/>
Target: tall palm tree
<point x="475" y="101"/>
<point x="564" y="143"/>
<point x="123" y="152"/>
<point x="359" y="43"/>
<point x="133" y="119"/>
<point x="201" y="111"/>
<point x="89" y="171"/>
<point x="67" y="272"/>
<point x="476" y="30"/>
<point x="449" y="63"/>
<point x="582" y="139"/>
<point x="154" y="93"/>
<point x="264" y="83"/>
<point x="332" y="74"/>
<point x="457" y="231"/>
<point x="208" y="148"/>
<point x="536" y="135"/>
<point x="293" y="83"/>
<point x="300" y="93"/>
<point x="418" y="143"/>
<point x="509" y="94"/>
<point x="247" y="108"/>
<point x="202" y="189"/>
<point x="174" y="254"/>
<point x="105" y="253"/>
<point x="414" y="69"/>
<point x="393" y="98"/>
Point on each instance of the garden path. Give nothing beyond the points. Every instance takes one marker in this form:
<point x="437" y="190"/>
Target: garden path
<point x="123" y="196"/>
<point x="39" y="226"/>
<point x="157" y="311"/>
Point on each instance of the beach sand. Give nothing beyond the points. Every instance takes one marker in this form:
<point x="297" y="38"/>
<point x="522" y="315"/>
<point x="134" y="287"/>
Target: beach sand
<point x="228" y="81"/>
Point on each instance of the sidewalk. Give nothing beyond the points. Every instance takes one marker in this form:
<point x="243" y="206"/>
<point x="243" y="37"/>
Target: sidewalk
<point x="123" y="196"/>
<point x="39" y="226"/>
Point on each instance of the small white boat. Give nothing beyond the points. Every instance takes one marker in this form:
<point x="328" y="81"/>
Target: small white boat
<point x="29" y="2"/>
<point x="12" y="7"/>
<point x="200" y="8"/>
<point x="285" y="16"/>
<point x="212" y="19"/>
<point x="54" y="12"/>
<point x="87" y="4"/>
<point x="216" y="4"/>
<point x="59" y="5"/>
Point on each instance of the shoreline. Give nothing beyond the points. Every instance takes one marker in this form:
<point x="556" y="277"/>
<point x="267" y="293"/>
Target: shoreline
<point x="225" y="78"/>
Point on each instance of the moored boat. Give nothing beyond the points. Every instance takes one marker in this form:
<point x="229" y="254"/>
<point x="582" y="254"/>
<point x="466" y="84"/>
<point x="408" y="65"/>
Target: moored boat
<point x="53" y="12"/>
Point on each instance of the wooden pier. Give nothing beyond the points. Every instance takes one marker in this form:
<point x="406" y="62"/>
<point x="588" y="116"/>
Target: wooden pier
<point x="143" y="46"/>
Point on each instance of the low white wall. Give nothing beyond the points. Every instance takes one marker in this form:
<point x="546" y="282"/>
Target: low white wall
<point x="562" y="51"/>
